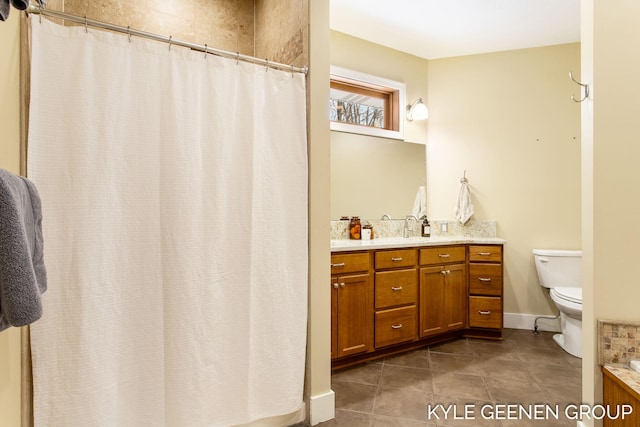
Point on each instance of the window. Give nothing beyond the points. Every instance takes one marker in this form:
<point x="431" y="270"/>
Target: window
<point x="364" y="104"/>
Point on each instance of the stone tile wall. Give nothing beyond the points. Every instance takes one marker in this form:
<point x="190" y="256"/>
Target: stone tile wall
<point x="272" y="29"/>
<point x="618" y="342"/>
<point x="395" y="228"/>
<point x="222" y="24"/>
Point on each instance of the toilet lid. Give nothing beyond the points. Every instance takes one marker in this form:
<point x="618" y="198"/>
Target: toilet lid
<point x="569" y="294"/>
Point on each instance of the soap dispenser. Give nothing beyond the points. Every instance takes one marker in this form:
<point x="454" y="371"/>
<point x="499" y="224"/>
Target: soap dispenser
<point x="426" y="228"/>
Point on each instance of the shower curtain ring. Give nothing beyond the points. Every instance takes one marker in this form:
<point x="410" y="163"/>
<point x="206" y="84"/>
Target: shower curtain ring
<point x="237" y="58"/>
<point x="267" y="62"/>
<point x="292" y="70"/>
<point x="129" y="33"/>
<point x="86" y="26"/>
<point x="206" y="48"/>
<point x="169" y="42"/>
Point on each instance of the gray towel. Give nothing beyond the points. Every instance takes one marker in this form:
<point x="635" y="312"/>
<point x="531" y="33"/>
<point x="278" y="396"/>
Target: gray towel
<point x="5" y="8"/>
<point x="23" y="277"/>
<point x="20" y="4"/>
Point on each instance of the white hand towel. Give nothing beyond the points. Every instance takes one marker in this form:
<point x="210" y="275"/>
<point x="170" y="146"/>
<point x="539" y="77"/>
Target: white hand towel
<point x="464" y="207"/>
<point x="420" y="203"/>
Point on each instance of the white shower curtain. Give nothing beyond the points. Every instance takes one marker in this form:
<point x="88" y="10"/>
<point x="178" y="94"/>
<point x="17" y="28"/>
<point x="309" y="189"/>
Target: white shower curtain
<point x="174" y="193"/>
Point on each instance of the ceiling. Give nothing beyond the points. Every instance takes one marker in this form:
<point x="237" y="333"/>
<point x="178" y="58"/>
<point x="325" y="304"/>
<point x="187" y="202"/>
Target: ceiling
<point x="444" y="28"/>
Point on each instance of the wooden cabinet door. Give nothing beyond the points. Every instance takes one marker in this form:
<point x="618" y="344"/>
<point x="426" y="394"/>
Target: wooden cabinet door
<point x="443" y="299"/>
<point x="455" y="297"/>
<point x="334" y="317"/>
<point x="431" y="300"/>
<point x="353" y="315"/>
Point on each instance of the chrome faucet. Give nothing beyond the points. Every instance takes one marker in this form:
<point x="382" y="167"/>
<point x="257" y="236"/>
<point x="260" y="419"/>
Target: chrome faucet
<point x="406" y="224"/>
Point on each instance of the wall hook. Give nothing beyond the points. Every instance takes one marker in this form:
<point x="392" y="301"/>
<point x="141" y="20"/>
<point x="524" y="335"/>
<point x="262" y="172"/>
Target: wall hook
<point x="584" y="85"/>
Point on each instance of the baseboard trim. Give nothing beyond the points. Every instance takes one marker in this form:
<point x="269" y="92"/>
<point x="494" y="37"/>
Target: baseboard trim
<point x="527" y="321"/>
<point x="322" y="407"/>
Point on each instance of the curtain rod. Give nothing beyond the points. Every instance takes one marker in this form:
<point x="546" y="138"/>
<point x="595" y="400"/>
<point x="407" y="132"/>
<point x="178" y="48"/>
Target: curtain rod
<point x="170" y="40"/>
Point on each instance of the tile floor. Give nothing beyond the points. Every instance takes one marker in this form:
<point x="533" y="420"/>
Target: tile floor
<point x="485" y="377"/>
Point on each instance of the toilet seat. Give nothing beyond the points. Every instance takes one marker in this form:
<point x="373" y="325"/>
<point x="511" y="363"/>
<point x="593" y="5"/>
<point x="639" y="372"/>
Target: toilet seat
<point x="573" y="295"/>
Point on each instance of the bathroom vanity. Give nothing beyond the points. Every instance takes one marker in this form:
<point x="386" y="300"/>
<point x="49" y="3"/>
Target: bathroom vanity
<point x="391" y="295"/>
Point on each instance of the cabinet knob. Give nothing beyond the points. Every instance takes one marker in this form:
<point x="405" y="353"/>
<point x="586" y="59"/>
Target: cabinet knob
<point x="445" y="272"/>
<point x="484" y="313"/>
<point x="398" y="326"/>
<point x="335" y="285"/>
<point x="342" y="284"/>
<point x="396" y="288"/>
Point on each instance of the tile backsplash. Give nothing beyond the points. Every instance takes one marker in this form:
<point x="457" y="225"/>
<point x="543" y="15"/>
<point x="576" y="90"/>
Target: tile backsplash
<point x="618" y="342"/>
<point x="395" y="228"/>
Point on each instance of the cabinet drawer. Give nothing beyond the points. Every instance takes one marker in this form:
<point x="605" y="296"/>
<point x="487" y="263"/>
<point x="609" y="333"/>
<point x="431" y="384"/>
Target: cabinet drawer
<point x="394" y="259"/>
<point x="395" y="325"/>
<point x="485" y="312"/>
<point x="485" y="253"/>
<point x="349" y="263"/>
<point x="442" y="254"/>
<point x="485" y="279"/>
<point x="397" y="287"/>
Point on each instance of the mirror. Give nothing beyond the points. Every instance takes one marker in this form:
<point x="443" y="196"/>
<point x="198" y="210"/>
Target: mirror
<point x="371" y="177"/>
<point x="377" y="174"/>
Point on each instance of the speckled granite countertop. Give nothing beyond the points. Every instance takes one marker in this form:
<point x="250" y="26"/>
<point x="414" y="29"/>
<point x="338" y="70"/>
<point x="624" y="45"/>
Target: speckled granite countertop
<point x="626" y="375"/>
<point x="343" y="245"/>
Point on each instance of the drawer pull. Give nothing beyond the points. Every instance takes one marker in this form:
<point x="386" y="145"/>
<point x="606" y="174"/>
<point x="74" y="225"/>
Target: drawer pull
<point x="484" y="313"/>
<point x="398" y="326"/>
<point x="484" y="279"/>
<point x="484" y="253"/>
<point x="340" y="264"/>
<point x="444" y="255"/>
<point x="335" y="285"/>
<point x="396" y="288"/>
<point x="396" y="259"/>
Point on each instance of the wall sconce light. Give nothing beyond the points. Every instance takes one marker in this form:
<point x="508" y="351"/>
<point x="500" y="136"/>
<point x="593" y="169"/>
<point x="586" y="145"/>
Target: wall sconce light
<point x="417" y="111"/>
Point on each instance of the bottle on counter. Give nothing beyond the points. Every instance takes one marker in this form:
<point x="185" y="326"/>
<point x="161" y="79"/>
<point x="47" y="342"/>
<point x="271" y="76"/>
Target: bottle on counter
<point x="355" y="228"/>
<point x="426" y="228"/>
<point x="367" y="231"/>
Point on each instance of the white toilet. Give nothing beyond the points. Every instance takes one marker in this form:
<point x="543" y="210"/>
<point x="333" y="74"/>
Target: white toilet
<point x="560" y="271"/>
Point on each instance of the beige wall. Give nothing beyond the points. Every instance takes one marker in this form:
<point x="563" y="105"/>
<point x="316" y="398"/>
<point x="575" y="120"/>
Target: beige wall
<point x="508" y="120"/>
<point x="372" y="176"/>
<point x="609" y="31"/>
<point x="10" y="160"/>
<point x="319" y="345"/>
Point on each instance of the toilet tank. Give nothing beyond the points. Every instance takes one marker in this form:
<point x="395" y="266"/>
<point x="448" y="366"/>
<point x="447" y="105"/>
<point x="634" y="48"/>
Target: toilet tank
<point x="559" y="268"/>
